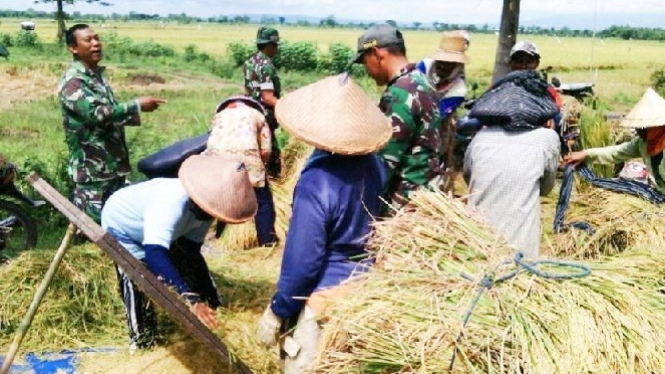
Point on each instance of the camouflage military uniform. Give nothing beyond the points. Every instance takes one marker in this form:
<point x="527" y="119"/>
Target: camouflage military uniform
<point x="414" y="155"/>
<point x="94" y="132"/>
<point x="260" y="74"/>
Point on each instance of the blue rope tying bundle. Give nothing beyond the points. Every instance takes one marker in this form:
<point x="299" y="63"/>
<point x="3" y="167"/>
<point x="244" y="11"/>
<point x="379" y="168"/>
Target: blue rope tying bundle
<point x="626" y="186"/>
<point x="488" y="281"/>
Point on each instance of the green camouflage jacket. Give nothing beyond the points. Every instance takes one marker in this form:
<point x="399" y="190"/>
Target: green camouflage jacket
<point x="94" y="125"/>
<point x="414" y="154"/>
<point x="260" y="74"/>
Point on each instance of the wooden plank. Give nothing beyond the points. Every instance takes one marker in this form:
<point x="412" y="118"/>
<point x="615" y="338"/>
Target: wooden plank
<point x="139" y="274"/>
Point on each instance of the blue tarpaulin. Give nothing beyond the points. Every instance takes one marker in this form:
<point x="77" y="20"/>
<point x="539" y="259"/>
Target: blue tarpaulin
<point x="63" y="362"/>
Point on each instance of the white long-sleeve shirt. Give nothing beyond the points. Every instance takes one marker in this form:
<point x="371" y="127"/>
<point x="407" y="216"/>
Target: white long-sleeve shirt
<point x="152" y="212"/>
<point x="507" y="172"/>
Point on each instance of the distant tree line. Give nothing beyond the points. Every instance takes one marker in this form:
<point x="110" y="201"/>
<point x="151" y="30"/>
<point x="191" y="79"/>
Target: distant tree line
<point x="639" y="33"/>
<point x="623" y="32"/>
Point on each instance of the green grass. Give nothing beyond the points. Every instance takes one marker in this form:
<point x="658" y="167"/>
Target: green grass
<point x="614" y="65"/>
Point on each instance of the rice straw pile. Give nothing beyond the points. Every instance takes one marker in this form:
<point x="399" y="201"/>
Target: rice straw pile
<point x="620" y="222"/>
<point x="81" y="305"/>
<point x="408" y="313"/>
<point x="82" y="308"/>
<point x="295" y="155"/>
<point x="243" y="236"/>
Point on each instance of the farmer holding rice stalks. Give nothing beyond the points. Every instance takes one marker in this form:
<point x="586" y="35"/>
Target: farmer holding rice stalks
<point x="334" y="200"/>
<point x="163" y="222"/>
<point x="414" y="155"/>
<point x="262" y="84"/>
<point x="240" y="132"/>
<point x="648" y="117"/>
<point x="94" y="123"/>
<point x="513" y="161"/>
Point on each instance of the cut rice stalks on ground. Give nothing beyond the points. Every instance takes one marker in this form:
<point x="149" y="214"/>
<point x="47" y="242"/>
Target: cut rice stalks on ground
<point x="83" y="309"/>
<point x="619" y="222"/>
<point x="407" y="315"/>
<point x="81" y="305"/>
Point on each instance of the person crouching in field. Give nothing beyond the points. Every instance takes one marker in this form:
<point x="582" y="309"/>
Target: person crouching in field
<point x="163" y="222"/>
<point x="334" y="201"/>
<point x="648" y="117"/>
<point x="240" y="132"/>
<point x="513" y="161"/>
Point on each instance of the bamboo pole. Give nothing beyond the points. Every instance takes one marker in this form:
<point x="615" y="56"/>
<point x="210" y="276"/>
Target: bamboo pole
<point x="39" y="296"/>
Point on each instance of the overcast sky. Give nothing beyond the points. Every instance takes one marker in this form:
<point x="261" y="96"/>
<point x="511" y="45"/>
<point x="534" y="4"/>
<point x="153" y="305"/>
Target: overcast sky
<point x="426" y="11"/>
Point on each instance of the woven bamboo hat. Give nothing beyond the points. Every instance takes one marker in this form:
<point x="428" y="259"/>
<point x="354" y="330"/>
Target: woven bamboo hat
<point x="220" y="187"/>
<point x="648" y="112"/>
<point x="335" y="115"/>
<point x="452" y="48"/>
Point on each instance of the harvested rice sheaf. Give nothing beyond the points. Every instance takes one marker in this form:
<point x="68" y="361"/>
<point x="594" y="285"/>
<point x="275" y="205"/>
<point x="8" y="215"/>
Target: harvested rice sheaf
<point x="619" y="222"/>
<point x="407" y="315"/>
<point x="243" y="236"/>
<point x="81" y="306"/>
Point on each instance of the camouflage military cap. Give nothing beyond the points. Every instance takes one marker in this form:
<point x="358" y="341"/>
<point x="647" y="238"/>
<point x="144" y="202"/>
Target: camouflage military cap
<point x="377" y="36"/>
<point x="267" y="35"/>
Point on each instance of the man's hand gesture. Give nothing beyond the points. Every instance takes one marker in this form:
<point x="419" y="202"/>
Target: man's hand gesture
<point x="149" y="103"/>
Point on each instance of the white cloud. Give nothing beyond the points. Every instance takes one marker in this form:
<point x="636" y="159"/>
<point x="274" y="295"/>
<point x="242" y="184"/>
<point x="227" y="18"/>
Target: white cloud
<point x="467" y="11"/>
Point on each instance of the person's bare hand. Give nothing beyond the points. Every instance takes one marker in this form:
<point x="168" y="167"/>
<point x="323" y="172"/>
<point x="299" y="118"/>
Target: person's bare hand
<point x="206" y="314"/>
<point x="149" y="103"/>
<point x="575" y="158"/>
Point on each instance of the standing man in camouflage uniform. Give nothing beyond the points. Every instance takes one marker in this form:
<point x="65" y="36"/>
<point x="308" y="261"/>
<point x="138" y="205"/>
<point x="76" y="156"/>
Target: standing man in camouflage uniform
<point x="414" y="155"/>
<point x="262" y="84"/>
<point x="94" y="123"/>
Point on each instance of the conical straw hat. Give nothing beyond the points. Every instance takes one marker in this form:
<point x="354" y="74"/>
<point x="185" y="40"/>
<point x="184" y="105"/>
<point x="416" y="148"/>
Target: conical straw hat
<point x="335" y="115"/>
<point x="452" y="48"/>
<point x="648" y="112"/>
<point x="220" y="187"/>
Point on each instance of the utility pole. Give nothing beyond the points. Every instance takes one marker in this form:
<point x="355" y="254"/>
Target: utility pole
<point x="510" y="19"/>
<point x="60" y="16"/>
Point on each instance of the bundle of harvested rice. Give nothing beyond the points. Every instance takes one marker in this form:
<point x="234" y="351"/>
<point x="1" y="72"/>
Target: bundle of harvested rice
<point x="238" y="237"/>
<point x="243" y="236"/>
<point x="619" y="221"/>
<point x="408" y="313"/>
<point x="296" y="154"/>
<point x="81" y="307"/>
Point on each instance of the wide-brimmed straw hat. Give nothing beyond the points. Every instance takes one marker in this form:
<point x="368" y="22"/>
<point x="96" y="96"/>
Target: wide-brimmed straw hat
<point x="220" y="187"/>
<point x="452" y="48"/>
<point x="648" y="112"/>
<point x="335" y="115"/>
